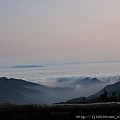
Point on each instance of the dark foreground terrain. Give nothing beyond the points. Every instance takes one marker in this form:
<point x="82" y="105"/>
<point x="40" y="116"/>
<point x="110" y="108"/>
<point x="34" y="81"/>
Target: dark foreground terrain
<point x="60" y="111"/>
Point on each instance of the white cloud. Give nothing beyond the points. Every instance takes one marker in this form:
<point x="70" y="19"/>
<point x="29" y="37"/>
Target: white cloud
<point x="78" y="87"/>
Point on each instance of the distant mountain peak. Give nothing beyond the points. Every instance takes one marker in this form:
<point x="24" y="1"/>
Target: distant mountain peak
<point x="26" y="66"/>
<point x="95" y="80"/>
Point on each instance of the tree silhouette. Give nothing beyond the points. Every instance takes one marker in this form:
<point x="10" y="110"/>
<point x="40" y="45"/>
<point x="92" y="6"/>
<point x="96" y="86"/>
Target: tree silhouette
<point x="84" y="99"/>
<point x="113" y="98"/>
<point x="103" y="97"/>
<point x="119" y="97"/>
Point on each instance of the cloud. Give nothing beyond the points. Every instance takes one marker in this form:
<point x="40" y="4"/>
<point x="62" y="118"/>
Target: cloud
<point x="50" y="83"/>
<point x="78" y="87"/>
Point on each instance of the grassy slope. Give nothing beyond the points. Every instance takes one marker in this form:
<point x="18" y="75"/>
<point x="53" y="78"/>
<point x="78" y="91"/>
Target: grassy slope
<point x="57" y="112"/>
<point x="58" y="107"/>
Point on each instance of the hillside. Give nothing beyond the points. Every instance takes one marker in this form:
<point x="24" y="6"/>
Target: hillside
<point x="22" y="92"/>
<point x="60" y="112"/>
<point x="110" y="89"/>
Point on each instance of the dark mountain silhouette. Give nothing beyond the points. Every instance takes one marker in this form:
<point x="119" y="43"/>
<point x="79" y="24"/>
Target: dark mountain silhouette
<point x="26" y="66"/>
<point x="112" y="88"/>
<point x="19" y="91"/>
<point x="22" y="92"/>
<point x="95" y="80"/>
<point x="88" y="81"/>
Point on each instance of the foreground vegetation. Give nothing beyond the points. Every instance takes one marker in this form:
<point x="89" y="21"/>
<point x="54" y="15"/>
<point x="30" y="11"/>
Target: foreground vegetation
<point x="57" y="112"/>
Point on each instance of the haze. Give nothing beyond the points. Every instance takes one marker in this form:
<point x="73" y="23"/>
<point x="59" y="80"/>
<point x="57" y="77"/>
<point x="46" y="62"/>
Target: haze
<point x="48" y="31"/>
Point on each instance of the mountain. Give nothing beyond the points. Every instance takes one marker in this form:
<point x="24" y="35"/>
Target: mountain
<point x="112" y="88"/>
<point x="19" y="91"/>
<point x="88" y="81"/>
<point x="26" y="66"/>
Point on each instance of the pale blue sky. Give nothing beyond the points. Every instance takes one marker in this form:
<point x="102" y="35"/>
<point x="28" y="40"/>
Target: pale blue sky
<point x="48" y="31"/>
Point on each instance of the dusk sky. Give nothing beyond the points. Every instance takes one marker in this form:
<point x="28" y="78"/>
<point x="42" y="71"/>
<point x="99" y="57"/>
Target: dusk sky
<point x="54" y="31"/>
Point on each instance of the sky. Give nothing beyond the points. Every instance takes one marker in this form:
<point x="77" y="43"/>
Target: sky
<point x="53" y="31"/>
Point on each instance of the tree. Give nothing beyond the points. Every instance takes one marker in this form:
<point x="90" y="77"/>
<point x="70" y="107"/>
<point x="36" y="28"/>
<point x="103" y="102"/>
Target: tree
<point x="113" y="98"/>
<point x="103" y="97"/>
<point x="119" y="96"/>
<point x="84" y="99"/>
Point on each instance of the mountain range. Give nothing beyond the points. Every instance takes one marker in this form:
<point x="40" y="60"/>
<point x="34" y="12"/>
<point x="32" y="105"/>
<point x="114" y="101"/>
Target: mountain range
<point x="18" y="91"/>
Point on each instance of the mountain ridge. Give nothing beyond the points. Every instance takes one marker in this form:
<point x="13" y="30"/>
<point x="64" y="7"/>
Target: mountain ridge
<point x="19" y="91"/>
<point x="110" y="89"/>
